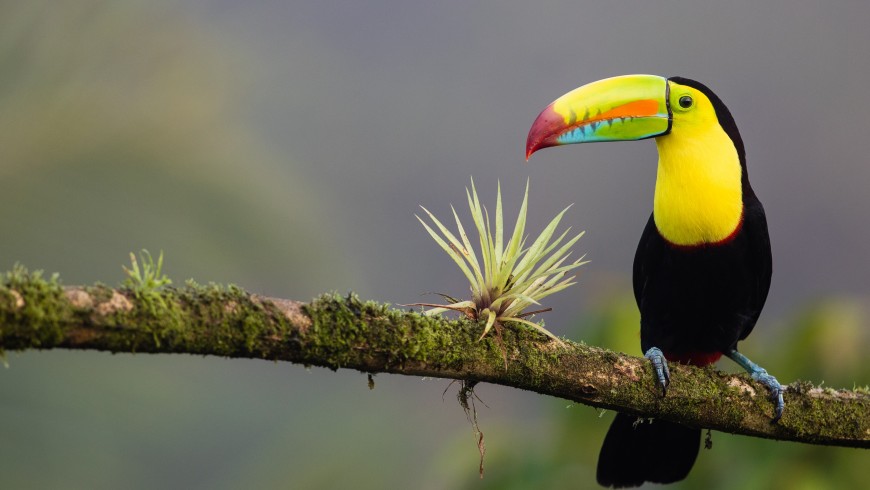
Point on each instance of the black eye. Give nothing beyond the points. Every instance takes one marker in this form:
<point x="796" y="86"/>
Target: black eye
<point x="686" y="102"/>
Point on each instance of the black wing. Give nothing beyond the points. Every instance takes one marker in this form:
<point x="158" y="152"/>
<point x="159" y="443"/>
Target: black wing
<point x="650" y="241"/>
<point x="760" y="259"/>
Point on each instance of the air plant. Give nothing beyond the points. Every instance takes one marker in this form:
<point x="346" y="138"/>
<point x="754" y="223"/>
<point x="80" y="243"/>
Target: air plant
<point x="509" y="277"/>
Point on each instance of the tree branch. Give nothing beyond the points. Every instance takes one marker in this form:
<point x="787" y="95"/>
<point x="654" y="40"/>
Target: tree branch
<point x="343" y="332"/>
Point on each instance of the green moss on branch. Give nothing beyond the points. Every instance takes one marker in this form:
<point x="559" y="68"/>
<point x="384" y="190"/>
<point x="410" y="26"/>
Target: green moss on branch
<point x="344" y="332"/>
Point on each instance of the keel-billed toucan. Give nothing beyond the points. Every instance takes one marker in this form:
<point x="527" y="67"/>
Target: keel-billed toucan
<point x="703" y="266"/>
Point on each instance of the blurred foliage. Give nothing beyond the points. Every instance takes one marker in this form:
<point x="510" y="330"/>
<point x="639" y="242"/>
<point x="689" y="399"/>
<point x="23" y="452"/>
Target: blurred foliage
<point x="121" y="129"/>
<point x="826" y="341"/>
<point x="123" y="125"/>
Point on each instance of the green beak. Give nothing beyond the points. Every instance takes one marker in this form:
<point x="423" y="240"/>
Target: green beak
<point x="629" y="107"/>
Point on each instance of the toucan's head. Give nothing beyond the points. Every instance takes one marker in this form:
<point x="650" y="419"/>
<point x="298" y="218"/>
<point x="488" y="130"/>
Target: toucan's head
<point x="631" y="107"/>
<point x="701" y="179"/>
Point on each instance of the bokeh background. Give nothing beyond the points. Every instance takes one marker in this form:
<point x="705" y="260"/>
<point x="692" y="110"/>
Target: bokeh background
<point x="285" y="146"/>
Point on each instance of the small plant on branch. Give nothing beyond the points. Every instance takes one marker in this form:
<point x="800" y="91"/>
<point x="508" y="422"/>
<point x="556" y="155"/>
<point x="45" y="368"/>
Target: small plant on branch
<point x="509" y="277"/>
<point x="150" y="276"/>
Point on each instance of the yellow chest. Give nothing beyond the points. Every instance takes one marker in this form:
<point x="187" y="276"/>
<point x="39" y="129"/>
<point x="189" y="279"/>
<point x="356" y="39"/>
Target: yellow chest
<point x="698" y="196"/>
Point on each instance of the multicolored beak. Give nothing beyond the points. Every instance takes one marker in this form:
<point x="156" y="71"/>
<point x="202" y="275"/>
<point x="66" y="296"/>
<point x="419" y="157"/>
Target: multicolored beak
<point x="628" y="107"/>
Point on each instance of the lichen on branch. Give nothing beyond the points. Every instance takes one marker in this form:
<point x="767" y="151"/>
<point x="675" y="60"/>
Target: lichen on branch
<point x="344" y="332"/>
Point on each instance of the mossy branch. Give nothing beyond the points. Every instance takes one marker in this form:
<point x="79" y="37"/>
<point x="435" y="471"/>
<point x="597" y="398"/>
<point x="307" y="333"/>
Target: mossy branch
<point x="344" y="332"/>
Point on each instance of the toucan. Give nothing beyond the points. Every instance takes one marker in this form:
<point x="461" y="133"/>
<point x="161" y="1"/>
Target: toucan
<point x="703" y="265"/>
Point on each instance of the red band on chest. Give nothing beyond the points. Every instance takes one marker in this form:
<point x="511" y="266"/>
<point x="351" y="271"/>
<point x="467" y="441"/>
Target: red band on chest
<point x="723" y="241"/>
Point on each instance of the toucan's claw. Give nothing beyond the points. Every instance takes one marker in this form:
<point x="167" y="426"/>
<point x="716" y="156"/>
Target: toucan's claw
<point x="759" y="374"/>
<point x="775" y="392"/>
<point x="660" y="364"/>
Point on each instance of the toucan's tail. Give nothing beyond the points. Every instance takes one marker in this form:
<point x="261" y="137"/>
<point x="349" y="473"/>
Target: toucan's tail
<point x="657" y="451"/>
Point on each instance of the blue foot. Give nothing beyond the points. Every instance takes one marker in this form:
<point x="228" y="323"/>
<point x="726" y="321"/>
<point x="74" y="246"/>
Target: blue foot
<point x="660" y="364"/>
<point x="759" y="374"/>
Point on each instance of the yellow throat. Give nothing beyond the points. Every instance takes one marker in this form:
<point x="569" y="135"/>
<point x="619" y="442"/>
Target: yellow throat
<point x="698" y="197"/>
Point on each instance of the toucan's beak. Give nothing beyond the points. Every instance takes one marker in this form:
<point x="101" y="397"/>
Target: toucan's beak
<point x="629" y="107"/>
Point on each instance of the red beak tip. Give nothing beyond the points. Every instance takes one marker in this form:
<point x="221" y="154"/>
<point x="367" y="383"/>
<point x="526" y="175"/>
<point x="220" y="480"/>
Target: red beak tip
<point x="531" y="148"/>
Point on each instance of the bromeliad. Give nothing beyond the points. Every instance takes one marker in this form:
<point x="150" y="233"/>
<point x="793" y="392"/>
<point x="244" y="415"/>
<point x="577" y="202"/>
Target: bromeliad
<point x="508" y="277"/>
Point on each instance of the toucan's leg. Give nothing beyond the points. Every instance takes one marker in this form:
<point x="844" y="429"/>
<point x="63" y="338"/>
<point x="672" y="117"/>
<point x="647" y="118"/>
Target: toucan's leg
<point x="758" y="373"/>
<point x="657" y="358"/>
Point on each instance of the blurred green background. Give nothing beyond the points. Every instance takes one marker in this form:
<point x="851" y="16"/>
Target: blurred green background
<point x="284" y="147"/>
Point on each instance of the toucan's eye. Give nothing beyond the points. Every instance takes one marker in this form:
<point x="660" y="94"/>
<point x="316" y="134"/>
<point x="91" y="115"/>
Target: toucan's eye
<point x="686" y="102"/>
